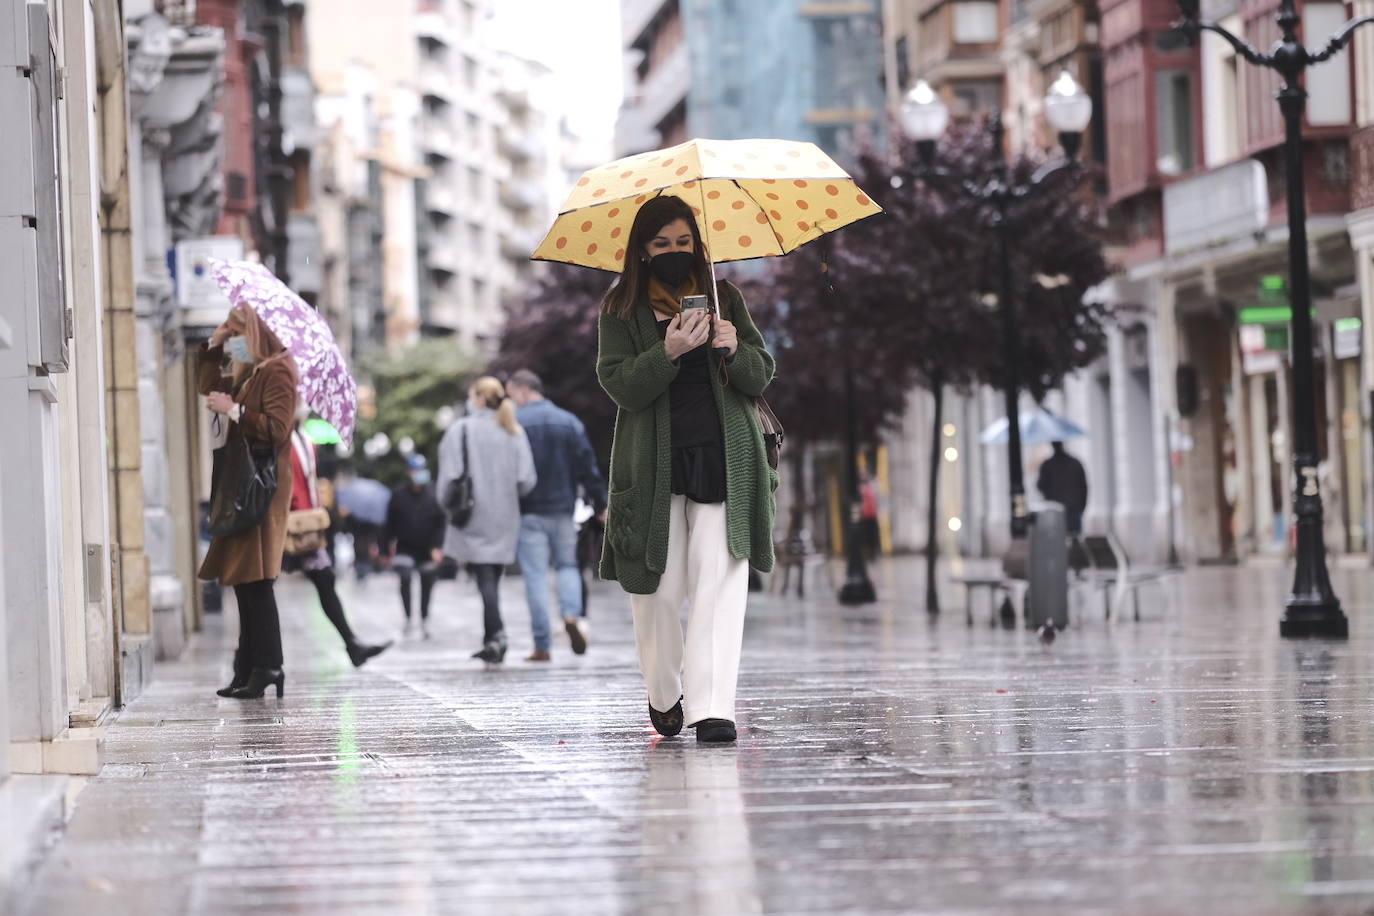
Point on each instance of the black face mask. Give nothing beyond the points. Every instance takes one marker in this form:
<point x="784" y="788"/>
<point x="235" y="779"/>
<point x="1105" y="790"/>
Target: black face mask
<point x="672" y="267"/>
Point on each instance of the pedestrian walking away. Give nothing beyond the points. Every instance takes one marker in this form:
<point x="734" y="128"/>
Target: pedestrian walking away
<point x="316" y="564"/>
<point x="257" y="397"/>
<point x="413" y="539"/>
<point x="1063" y="480"/>
<point x="564" y="462"/>
<point x="488" y="449"/>
<point x="691" y="492"/>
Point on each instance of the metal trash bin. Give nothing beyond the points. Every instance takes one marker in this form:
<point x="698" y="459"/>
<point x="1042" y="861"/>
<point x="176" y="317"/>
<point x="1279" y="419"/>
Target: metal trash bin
<point x="1047" y="598"/>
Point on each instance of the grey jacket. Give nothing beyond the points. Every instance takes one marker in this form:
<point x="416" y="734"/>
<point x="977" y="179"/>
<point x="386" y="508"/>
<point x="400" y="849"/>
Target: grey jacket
<point x="502" y="472"/>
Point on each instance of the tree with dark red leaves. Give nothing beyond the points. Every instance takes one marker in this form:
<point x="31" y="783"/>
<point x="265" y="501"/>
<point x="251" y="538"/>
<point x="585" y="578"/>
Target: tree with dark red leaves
<point x="551" y="329"/>
<point x="915" y="291"/>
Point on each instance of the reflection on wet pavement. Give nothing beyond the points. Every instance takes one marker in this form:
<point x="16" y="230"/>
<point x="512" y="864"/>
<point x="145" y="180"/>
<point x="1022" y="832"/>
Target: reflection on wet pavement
<point x="1189" y="763"/>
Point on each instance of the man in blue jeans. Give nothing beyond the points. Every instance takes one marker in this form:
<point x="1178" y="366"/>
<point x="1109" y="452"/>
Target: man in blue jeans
<point x="565" y="461"/>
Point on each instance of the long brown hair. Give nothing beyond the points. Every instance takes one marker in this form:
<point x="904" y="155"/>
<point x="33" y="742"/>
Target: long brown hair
<point x="633" y="285"/>
<point x="493" y="395"/>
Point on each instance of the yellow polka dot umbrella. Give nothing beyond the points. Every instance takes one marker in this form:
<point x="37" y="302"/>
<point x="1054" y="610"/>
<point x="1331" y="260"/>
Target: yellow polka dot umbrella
<point x="752" y="198"/>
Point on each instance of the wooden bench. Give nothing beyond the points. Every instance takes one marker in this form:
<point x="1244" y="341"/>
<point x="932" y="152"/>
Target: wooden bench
<point x="1110" y="569"/>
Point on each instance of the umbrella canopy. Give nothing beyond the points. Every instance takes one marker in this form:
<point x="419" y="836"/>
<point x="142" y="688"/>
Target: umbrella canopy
<point x="1038" y="425"/>
<point x="752" y="198"/>
<point x="319" y="431"/>
<point x="326" y="385"/>
<point x="365" y="499"/>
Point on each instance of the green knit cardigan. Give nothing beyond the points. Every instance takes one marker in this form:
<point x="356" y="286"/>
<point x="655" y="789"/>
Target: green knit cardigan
<point x="633" y="367"/>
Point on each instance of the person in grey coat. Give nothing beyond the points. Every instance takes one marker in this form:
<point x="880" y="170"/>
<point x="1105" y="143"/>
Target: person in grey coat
<point x="499" y="461"/>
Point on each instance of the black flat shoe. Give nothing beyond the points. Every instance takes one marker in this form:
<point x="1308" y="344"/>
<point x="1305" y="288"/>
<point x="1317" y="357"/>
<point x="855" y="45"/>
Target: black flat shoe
<point x="258" y="682"/>
<point x="493" y="650"/>
<point x="238" y="681"/>
<point x="667" y="723"/>
<point x="715" y="731"/>
<point x="359" y="653"/>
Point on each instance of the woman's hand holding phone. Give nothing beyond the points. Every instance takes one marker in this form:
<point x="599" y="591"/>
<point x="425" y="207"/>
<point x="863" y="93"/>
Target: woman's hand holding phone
<point x="687" y="331"/>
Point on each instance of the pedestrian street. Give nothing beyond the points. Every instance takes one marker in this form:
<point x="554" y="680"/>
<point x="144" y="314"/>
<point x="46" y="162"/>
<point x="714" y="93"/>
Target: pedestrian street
<point x="887" y="763"/>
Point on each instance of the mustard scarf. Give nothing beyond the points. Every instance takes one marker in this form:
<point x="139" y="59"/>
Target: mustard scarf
<point x="663" y="300"/>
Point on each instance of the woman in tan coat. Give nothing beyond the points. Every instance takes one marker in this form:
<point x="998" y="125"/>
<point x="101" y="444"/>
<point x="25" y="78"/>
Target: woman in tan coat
<point x="256" y="393"/>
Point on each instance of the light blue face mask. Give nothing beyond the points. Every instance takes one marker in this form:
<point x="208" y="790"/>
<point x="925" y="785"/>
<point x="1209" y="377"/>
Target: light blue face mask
<point x="237" y="348"/>
<point x="420" y="477"/>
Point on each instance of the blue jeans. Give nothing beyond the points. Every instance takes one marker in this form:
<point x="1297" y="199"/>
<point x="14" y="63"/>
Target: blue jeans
<point x="545" y="538"/>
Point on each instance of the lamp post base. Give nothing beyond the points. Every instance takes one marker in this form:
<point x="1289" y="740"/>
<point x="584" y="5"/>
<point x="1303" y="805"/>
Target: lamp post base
<point x="1314" y="618"/>
<point x="857" y="588"/>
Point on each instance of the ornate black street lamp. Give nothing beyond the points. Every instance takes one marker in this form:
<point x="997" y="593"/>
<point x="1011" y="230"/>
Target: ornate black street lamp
<point x="1312" y="608"/>
<point x="924" y="118"/>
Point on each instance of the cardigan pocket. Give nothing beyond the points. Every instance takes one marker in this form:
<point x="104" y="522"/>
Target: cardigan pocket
<point x="622" y="529"/>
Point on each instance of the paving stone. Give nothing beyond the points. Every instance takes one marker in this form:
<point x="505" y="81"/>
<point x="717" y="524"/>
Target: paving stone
<point x="887" y="763"/>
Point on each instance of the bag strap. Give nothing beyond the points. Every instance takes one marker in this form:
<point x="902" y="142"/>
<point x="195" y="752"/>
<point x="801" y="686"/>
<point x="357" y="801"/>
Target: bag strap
<point x="467" y="471"/>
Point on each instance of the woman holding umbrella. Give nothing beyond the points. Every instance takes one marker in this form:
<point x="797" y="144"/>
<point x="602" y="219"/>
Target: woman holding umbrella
<point x="251" y="379"/>
<point x="692" y="494"/>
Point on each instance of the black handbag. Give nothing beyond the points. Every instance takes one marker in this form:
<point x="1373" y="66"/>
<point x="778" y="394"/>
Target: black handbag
<point x="458" y="496"/>
<point x="243" y="481"/>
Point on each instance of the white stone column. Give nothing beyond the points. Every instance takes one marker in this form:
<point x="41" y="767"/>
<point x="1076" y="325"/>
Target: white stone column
<point x="1361" y="226"/>
<point x="30" y="527"/>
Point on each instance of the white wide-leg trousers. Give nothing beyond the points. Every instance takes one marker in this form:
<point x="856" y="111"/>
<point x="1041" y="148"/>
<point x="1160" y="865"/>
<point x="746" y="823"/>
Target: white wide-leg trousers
<point x="715" y="585"/>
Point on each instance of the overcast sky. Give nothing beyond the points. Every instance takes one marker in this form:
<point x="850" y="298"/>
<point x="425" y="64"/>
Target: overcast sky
<point x="580" y="42"/>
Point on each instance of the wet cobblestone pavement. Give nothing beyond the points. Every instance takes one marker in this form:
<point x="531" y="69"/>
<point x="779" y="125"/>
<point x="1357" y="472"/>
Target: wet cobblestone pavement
<point x="1191" y="763"/>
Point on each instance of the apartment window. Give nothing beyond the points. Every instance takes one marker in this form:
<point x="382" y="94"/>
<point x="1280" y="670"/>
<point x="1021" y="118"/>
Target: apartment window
<point x="470" y="72"/>
<point x="1174" y="96"/>
<point x="973" y="97"/>
<point x="475" y="241"/>
<point x="474" y="126"/>
<point x="474" y="181"/>
<point x="975" y="22"/>
<point x="479" y="292"/>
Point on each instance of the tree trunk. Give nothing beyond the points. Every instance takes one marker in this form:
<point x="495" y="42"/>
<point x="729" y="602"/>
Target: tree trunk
<point x="932" y="507"/>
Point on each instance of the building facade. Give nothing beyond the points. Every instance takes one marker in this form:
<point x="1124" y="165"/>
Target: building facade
<point x="80" y="562"/>
<point x="796" y="70"/>
<point x="658" y="74"/>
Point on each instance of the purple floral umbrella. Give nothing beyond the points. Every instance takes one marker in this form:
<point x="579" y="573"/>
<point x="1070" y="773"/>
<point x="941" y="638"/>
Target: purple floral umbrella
<point x="325" y="382"/>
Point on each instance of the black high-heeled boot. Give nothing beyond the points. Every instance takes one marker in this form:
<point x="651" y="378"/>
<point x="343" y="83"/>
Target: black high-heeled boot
<point x="239" y="679"/>
<point x="258" y="682"/>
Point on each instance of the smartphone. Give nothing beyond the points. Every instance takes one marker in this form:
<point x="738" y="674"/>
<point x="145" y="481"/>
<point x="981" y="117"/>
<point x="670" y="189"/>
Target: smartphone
<point x="690" y="303"/>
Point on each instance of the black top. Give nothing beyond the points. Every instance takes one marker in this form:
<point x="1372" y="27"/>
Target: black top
<point x="415" y="522"/>
<point x="698" y="441"/>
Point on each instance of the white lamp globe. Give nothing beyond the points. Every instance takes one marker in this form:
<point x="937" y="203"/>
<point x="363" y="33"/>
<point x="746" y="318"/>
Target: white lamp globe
<point x="1067" y="106"/>
<point x="924" y="116"/>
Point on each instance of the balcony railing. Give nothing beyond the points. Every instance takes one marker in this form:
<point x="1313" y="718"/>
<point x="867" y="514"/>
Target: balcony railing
<point x="1219" y="206"/>
<point x="430" y="26"/>
<point x="519" y="243"/>
<point x="439" y="200"/>
<point x="442" y="257"/>
<point x="519" y="196"/>
<point x="520" y="145"/>
<point x="438" y="140"/>
<point x="436" y="83"/>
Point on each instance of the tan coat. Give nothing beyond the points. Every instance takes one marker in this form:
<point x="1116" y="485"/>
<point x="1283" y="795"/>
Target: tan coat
<point x="268" y="397"/>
